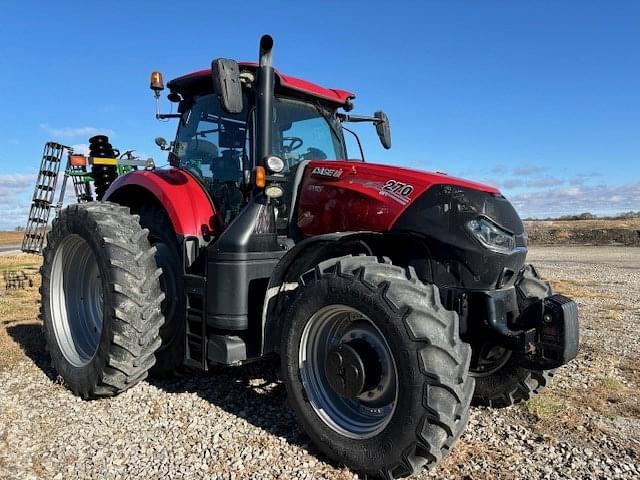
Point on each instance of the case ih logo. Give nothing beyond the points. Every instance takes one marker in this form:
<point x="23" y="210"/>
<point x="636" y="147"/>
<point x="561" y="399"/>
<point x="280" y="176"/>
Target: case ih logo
<point x="327" y="172"/>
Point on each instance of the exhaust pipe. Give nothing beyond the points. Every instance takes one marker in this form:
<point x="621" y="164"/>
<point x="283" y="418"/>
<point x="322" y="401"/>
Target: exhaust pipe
<point x="264" y="107"/>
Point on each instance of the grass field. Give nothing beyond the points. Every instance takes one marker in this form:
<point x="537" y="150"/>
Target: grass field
<point x="17" y="307"/>
<point x="584" y="232"/>
<point x="630" y="223"/>
<point x="11" y="238"/>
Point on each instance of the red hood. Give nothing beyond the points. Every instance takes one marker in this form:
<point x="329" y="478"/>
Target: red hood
<point x="352" y="196"/>
<point x="433" y="178"/>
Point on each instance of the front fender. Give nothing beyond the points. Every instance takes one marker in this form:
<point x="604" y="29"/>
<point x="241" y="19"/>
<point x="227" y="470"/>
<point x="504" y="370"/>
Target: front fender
<point x="295" y="262"/>
<point x="186" y="202"/>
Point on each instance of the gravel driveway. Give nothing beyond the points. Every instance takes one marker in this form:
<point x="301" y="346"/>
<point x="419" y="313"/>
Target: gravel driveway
<point x="235" y="423"/>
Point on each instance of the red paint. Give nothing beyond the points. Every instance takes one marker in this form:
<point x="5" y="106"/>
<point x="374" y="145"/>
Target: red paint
<point x="353" y="202"/>
<point x="185" y="201"/>
<point x="286" y="82"/>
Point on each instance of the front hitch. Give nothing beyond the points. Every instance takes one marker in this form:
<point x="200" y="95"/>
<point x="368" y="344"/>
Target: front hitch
<point x="557" y="333"/>
<point x="544" y="334"/>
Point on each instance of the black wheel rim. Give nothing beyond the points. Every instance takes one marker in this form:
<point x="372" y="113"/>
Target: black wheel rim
<point x="488" y="359"/>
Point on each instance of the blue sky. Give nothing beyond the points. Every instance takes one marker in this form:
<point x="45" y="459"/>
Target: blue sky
<point x="539" y="98"/>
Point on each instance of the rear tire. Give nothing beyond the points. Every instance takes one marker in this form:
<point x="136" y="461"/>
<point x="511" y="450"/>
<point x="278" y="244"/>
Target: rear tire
<point x="430" y="409"/>
<point x="100" y="299"/>
<point x="170" y="355"/>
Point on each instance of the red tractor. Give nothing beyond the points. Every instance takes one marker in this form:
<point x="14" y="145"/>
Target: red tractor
<point x="394" y="298"/>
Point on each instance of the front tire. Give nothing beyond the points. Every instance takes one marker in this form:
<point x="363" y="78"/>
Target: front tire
<point x="501" y="380"/>
<point x="100" y="299"/>
<point x="409" y="333"/>
<point x="506" y="382"/>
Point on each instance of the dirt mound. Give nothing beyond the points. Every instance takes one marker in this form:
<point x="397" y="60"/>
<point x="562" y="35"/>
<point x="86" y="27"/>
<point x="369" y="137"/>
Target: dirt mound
<point x="583" y="232"/>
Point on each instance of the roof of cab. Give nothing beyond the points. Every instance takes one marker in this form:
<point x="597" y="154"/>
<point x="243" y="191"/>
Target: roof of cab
<point x="200" y="81"/>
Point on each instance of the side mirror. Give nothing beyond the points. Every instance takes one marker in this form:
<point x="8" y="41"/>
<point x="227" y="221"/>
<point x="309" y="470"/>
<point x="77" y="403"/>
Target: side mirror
<point x="225" y="74"/>
<point x="383" y="129"/>
<point x="162" y="143"/>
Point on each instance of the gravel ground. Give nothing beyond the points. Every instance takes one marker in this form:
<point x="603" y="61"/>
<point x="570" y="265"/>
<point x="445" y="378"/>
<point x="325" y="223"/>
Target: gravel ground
<point x="234" y="423"/>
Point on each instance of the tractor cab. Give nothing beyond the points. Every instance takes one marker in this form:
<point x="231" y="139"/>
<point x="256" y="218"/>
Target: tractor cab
<point x="218" y="149"/>
<point x="226" y="149"/>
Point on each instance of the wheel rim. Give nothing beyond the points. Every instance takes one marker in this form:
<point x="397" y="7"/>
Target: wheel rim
<point x="361" y="415"/>
<point x="490" y="359"/>
<point x="76" y="300"/>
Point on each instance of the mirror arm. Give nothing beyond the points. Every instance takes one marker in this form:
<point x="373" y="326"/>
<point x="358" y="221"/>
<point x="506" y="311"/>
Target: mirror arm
<point x="343" y="117"/>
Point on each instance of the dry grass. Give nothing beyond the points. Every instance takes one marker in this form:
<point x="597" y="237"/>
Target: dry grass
<point x="21" y="261"/>
<point x="11" y="238"/>
<point x="584" y="232"/>
<point x="576" y="289"/>
<point x="19" y="325"/>
<point x="545" y="406"/>
<point x="631" y="224"/>
<point x="610" y="397"/>
<point x="613" y="391"/>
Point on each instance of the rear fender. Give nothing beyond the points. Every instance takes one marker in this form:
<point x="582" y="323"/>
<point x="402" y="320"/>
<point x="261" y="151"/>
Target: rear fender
<point x="185" y="201"/>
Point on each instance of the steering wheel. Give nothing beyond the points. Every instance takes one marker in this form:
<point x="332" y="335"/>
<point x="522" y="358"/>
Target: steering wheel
<point x="294" y="143"/>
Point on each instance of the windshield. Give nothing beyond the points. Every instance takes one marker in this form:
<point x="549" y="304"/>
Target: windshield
<point x="305" y="131"/>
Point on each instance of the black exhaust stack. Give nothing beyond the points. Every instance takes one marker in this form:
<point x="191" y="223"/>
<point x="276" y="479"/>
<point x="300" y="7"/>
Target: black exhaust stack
<point x="264" y="107"/>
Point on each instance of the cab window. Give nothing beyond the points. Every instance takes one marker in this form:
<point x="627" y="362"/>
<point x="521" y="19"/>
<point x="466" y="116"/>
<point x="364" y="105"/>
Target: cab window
<point x="305" y="131"/>
<point x="214" y="146"/>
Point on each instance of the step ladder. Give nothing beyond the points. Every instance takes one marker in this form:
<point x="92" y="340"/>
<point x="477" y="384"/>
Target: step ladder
<point x="81" y="186"/>
<point x="43" y="194"/>
<point x="195" y="289"/>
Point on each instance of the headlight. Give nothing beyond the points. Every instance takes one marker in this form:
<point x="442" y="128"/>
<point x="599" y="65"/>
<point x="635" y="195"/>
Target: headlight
<point x="275" y="164"/>
<point x="273" y="191"/>
<point x="491" y="236"/>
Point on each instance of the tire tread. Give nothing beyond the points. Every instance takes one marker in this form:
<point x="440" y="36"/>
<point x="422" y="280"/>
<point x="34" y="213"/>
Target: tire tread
<point x="135" y="313"/>
<point x="419" y="304"/>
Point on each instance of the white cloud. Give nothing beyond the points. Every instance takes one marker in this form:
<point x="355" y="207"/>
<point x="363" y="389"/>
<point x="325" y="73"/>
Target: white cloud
<point x="70" y="132"/>
<point x="500" y="169"/>
<point x="15" y="194"/>
<point x="14" y="184"/>
<point x="81" y="148"/>
<point x="544" y="181"/>
<point x="596" y="199"/>
<point x="512" y="183"/>
<point x="529" y="170"/>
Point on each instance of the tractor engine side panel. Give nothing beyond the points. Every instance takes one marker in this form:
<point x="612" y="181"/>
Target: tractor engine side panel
<point x="184" y="199"/>
<point x="339" y="196"/>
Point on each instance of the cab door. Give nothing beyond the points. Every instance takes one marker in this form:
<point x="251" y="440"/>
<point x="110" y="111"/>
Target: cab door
<point x="214" y="146"/>
<point x="303" y="132"/>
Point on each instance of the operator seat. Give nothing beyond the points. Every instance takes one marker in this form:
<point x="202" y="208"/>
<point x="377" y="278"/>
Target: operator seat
<point x="198" y="152"/>
<point x="225" y="188"/>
